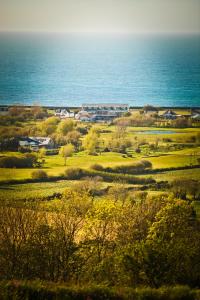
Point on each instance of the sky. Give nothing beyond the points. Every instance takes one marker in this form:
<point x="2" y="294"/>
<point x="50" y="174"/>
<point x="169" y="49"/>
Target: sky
<point x="120" y="16"/>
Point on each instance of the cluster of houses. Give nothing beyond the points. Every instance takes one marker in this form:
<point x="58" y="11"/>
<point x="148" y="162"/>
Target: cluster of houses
<point x="107" y="112"/>
<point x="171" y="115"/>
<point x="95" y="112"/>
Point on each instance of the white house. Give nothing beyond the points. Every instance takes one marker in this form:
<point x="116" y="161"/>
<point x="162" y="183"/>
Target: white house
<point x="44" y="142"/>
<point x="64" y="113"/>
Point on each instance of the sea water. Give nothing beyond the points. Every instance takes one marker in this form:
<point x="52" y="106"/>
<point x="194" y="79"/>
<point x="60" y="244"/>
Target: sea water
<point x="71" y="69"/>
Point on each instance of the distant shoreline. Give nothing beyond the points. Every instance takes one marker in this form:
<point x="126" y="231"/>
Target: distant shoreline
<point x="79" y="107"/>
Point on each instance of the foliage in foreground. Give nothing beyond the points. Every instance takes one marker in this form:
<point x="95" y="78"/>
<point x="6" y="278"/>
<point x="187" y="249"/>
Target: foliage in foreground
<point x="36" y="290"/>
<point x="124" y="239"/>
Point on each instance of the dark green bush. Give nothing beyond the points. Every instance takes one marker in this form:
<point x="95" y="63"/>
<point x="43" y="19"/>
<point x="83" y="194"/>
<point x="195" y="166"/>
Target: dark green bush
<point x="97" y="167"/>
<point x="29" y="160"/>
<point x="74" y="173"/>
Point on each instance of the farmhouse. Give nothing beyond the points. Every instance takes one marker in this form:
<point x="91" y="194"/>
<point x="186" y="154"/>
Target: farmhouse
<point x="35" y="143"/>
<point x="44" y="142"/>
<point x="28" y="142"/>
<point x="169" y="114"/>
<point x="101" y="112"/>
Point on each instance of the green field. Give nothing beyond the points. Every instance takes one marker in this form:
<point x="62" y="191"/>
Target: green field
<point x="187" y="155"/>
<point x="54" y="165"/>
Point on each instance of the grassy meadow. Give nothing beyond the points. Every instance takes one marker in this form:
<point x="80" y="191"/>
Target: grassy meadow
<point x="175" y="150"/>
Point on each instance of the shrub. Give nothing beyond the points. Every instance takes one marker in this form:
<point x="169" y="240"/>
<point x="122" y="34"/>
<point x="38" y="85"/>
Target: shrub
<point x="39" y="174"/>
<point x="97" y="167"/>
<point x="138" y="150"/>
<point x="167" y="140"/>
<point x="74" y="173"/>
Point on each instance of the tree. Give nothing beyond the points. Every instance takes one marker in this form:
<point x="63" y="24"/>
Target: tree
<point x="65" y="126"/>
<point x="41" y="155"/>
<point x="172" y="246"/>
<point x="91" y="141"/>
<point x="66" y="151"/>
<point x="73" y="137"/>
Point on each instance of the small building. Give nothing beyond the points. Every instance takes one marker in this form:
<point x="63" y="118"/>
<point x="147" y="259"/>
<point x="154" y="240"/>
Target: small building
<point x="170" y="115"/>
<point x="83" y="116"/>
<point x="4" y="111"/>
<point x="44" y="142"/>
<point x="28" y="142"/>
<point x="35" y="143"/>
<point x="195" y="115"/>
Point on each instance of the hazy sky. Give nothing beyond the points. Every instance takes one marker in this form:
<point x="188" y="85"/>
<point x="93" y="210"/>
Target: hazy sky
<point x="101" y="15"/>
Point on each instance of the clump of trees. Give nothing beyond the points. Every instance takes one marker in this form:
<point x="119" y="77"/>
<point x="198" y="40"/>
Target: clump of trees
<point x="9" y="144"/>
<point x="131" y="240"/>
<point x="181" y="123"/>
<point x="28" y="160"/>
<point x="137" y="119"/>
<point x="118" y="141"/>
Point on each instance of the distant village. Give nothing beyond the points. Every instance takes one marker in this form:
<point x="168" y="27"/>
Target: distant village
<point x="101" y="113"/>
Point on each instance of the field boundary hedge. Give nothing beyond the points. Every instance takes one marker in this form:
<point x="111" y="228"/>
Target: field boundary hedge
<point x="37" y="290"/>
<point x="78" y="173"/>
<point x="107" y="176"/>
<point x="139" y="171"/>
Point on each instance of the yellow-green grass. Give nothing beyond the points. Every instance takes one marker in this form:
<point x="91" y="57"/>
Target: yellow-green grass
<point x="36" y="191"/>
<point x="33" y="190"/>
<point x="193" y="174"/>
<point x="172" y="161"/>
<point x="54" y="165"/>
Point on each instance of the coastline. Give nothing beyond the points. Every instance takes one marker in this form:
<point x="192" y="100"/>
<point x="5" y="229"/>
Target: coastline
<point x="79" y="107"/>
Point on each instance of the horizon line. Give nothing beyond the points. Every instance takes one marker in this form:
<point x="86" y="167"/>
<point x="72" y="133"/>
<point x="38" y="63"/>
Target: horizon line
<point x="101" y="32"/>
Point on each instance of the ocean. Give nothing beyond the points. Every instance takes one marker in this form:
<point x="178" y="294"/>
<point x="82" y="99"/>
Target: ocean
<point x="71" y="69"/>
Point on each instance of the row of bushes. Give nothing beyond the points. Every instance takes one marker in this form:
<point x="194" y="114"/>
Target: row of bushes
<point x="135" y="168"/>
<point x="78" y="173"/>
<point x="142" y="167"/>
<point x="16" y="290"/>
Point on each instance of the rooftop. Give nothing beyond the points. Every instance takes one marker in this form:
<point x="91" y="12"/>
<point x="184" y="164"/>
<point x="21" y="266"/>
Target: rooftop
<point x="104" y="105"/>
